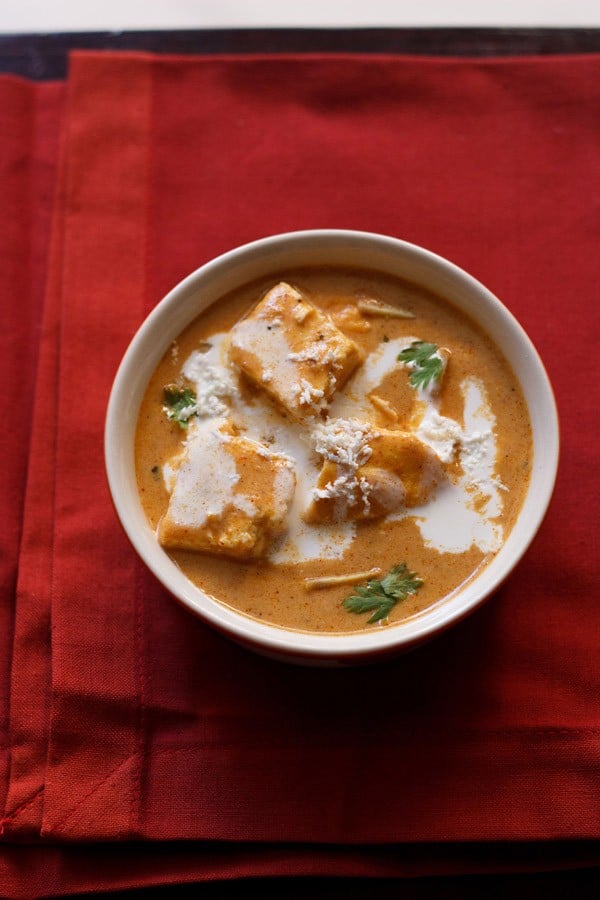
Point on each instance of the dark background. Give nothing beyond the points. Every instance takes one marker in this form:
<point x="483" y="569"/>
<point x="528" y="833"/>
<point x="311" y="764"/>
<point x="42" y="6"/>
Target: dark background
<point x="44" y="56"/>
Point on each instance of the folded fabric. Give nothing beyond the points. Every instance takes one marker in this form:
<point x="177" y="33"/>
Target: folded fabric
<point x="30" y="118"/>
<point x="154" y="727"/>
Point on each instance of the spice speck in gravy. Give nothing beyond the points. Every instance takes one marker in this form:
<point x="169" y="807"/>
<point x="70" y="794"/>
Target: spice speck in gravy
<point x="332" y="450"/>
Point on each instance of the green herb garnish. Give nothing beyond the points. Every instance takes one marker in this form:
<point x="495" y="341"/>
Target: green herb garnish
<point x="379" y="596"/>
<point x="180" y="404"/>
<point x="426" y="366"/>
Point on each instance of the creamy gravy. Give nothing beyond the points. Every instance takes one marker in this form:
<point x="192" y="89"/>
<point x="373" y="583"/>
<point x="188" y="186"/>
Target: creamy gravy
<point x="475" y="422"/>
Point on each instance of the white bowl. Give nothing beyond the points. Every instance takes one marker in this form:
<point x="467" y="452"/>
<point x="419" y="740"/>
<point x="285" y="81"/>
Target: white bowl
<point x="338" y="248"/>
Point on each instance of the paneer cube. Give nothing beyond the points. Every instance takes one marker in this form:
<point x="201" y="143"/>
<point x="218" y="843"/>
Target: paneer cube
<point x="230" y="495"/>
<point x="293" y="351"/>
<point x="386" y="470"/>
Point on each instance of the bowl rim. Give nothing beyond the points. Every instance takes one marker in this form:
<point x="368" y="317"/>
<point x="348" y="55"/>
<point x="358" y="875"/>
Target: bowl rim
<point x="273" y="639"/>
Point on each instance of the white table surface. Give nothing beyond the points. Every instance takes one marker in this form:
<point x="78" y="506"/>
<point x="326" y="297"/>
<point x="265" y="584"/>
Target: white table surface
<point x="124" y="15"/>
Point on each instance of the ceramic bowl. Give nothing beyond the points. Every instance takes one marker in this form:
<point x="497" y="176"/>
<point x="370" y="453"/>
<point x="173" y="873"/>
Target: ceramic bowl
<point x="333" y="248"/>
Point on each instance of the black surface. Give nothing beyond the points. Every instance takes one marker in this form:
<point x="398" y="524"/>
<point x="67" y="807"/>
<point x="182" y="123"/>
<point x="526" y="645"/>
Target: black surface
<point x="582" y="885"/>
<point x="45" y="56"/>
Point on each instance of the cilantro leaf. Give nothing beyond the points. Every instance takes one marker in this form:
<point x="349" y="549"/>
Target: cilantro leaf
<point x="424" y="361"/>
<point x="179" y="404"/>
<point x="379" y="596"/>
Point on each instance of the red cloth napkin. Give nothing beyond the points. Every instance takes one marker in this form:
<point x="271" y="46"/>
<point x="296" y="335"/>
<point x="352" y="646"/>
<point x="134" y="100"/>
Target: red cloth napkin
<point x="29" y="130"/>
<point x="143" y="723"/>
